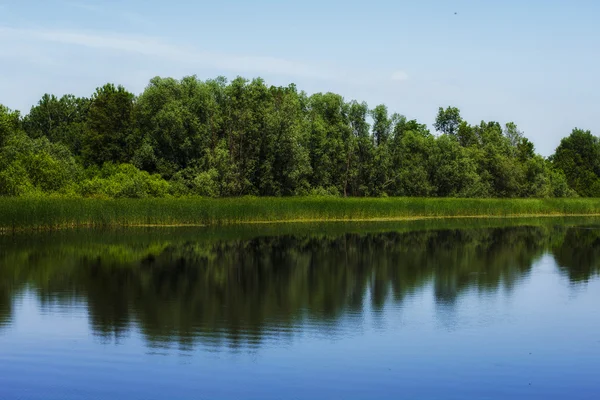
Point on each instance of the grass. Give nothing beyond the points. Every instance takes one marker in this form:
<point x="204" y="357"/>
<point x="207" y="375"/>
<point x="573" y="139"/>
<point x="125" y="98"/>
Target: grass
<point x="58" y="213"/>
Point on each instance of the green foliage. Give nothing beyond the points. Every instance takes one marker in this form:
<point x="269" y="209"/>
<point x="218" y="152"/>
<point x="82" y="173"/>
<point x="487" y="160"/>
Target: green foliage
<point x="454" y="173"/>
<point x="217" y="138"/>
<point x="124" y="180"/>
<point x="42" y="212"/>
<point x="448" y="121"/>
<point x="60" y="120"/>
<point x="578" y="157"/>
<point x="108" y="132"/>
<point x="29" y="165"/>
<point x="9" y="124"/>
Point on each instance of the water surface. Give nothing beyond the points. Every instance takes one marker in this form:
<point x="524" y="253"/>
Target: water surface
<point x="386" y="311"/>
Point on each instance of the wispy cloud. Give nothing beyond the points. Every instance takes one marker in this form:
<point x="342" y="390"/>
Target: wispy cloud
<point x="156" y="48"/>
<point x="399" y="76"/>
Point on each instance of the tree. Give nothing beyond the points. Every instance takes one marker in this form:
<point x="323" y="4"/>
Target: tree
<point x="28" y="165"/>
<point x="288" y="151"/>
<point x="381" y="124"/>
<point x="448" y="120"/>
<point x="175" y="124"/>
<point x="329" y="130"/>
<point x="10" y="122"/>
<point x="360" y="160"/>
<point x="454" y="172"/>
<point x="411" y="149"/>
<point x="513" y="134"/>
<point x="60" y="120"/>
<point x="108" y="134"/>
<point x="578" y="157"/>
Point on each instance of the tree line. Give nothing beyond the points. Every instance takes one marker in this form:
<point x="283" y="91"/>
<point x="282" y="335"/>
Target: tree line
<point x="218" y="138"/>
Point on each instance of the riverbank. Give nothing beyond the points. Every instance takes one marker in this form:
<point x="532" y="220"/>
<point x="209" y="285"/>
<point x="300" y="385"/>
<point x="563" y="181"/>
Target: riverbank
<point x="59" y="213"/>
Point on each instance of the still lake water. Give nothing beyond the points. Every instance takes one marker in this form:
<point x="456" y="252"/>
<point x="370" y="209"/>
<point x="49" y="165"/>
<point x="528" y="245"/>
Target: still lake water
<point x="461" y="310"/>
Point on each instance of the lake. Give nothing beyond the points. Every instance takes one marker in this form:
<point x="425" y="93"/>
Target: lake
<point x="417" y="310"/>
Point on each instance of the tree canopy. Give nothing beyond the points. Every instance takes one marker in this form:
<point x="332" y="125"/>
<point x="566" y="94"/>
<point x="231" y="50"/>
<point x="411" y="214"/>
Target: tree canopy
<point x="218" y="138"/>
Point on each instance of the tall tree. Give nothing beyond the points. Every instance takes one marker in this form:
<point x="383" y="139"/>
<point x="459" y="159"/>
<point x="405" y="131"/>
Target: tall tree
<point x="329" y="128"/>
<point x="578" y="156"/>
<point x="360" y="160"/>
<point x="108" y="133"/>
<point x="448" y="120"/>
<point x="60" y="120"/>
<point x="10" y="122"/>
<point x="381" y="124"/>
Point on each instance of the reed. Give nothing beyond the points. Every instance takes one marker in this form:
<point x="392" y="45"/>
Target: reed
<point x="58" y="213"/>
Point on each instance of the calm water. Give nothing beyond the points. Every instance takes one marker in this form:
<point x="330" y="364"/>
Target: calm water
<point x="303" y="312"/>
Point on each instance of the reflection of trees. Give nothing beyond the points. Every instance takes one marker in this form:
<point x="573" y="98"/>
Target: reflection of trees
<point x="5" y="305"/>
<point x="578" y="255"/>
<point x="241" y="292"/>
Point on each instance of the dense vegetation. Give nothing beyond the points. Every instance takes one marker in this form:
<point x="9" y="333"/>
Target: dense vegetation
<point x="217" y="139"/>
<point x="41" y="213"/>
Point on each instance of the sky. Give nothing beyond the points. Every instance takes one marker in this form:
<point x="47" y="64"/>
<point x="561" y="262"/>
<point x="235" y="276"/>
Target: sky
<point x="532" y="62"/>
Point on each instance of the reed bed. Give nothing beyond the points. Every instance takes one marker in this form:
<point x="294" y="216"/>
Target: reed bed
<point x="58" y="213"/>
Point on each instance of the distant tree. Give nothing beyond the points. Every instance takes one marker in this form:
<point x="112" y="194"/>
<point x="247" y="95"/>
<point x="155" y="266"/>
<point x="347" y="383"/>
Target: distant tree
<point x="454" y="173"/>
<point x="578" y="157"/>
<point x="466" y="135"/>
<point x="382" y="124"/>
<point x="60" y="120"/>
<point x="513" y="134"/>
<point x="448" y="120"/>
<point x="329" y="128"/>
<point x="360" y="160"/>
<point x="10" y="122"/>
<point x="28" y="165"/>
<point x="108" y="134"/>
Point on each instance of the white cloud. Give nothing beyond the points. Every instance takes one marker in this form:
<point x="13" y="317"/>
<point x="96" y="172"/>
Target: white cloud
<point x="156" y="48"/>
<point x="399" y="76"/>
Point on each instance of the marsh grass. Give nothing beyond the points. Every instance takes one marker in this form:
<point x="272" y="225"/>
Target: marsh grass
<point x="58" y="213"/>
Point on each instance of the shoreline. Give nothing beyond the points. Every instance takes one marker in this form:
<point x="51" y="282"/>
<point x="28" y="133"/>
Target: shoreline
<point x="4" y="230"/>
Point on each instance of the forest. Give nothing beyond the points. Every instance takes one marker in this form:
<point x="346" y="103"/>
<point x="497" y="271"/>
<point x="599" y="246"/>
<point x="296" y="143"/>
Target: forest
<point x="216" y="138"/>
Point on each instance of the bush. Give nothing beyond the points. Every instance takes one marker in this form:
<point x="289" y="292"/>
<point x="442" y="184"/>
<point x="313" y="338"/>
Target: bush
<point x="124" y="181"/>
<point x="14" y="181"/>
<point x="35" y="165"/>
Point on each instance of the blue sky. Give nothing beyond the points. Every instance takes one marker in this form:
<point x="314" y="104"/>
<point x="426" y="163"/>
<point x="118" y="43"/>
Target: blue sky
<point x="533" y="62"/>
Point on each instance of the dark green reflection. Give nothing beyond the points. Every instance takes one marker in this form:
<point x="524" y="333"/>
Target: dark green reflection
<point x="578" y="254"/>
<point x="210" y="287"/>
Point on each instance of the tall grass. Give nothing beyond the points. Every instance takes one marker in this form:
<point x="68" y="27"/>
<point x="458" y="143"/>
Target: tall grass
<point x="56" y="213"/>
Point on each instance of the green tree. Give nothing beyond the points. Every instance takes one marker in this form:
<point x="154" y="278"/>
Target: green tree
<point x="411" y="151"/>
<point x="578" y="157"/>
<point x="173" y="124"/>
<point x="10" y="122"/>
<point x="382" y="124"/>
<point x="60" y="120"/>
<point x="454" y="172"/>
<point x="108" y="132"/>
<point x="35" y="165"/>
<point x="329" y="129"/>
<point x="448" y="120"/>
<point x="513" y="134"/>
<point x="360" y="161"/>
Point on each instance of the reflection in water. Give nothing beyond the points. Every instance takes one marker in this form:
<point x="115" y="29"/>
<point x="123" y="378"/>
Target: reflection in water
<point x="5" y="305"/>
<point x="190" y="289"/>
<point x="578" y="254"/>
